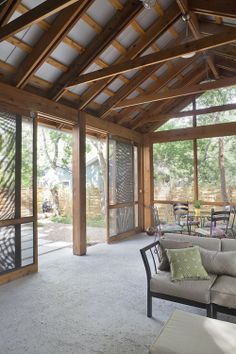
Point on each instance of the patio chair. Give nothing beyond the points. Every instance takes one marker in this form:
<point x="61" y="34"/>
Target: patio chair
<point x="219" y="223"/>
<point x="230" y="228"/>
<point x="162" y="228"/>
<point x="182" y="216"/>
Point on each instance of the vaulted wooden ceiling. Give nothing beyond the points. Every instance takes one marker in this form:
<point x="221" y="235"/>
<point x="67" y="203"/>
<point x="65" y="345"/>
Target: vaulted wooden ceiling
<point x="115" y="59"/>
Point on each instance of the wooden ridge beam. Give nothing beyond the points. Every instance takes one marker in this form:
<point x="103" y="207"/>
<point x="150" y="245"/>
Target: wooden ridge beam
<point x="174" y="93"/>
<point x="112" y="30"/>
<point x="7" y="11"/>
<point x="194" y="27"/>
<point x="197" y="112"/>
<point x="49" y="41"/>
<point x="207" y="131"/>
<point x="171" y="14"/>
<point x="198" y="45"/>
<point x="226" y="8"/>
<point x="34" y="15"/>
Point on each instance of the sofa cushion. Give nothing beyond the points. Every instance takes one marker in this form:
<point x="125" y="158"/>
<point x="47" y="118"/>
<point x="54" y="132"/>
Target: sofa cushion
<point x="169" y="244"/>
<point x="228" y="245"/>
<point x="195" y="290"/>
<point x="186" y="263"/>
<point x="223" y="291"/>
<point x="220" y="263"/>
<point x="187" y="333"/>
<point x="205" y="242"/>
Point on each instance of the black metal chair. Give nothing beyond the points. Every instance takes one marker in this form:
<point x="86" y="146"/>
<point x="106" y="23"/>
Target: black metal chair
<point x="162" y="228"/>
<point x="219" y="223"/>
<point x="183" y="217"/>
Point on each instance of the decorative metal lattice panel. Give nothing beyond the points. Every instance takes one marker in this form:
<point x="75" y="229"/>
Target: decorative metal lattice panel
<point x="7" y="165"/>
<point x="7" y="248"/>
<point x="121" y="220"/>
<point x="121" y="183"/>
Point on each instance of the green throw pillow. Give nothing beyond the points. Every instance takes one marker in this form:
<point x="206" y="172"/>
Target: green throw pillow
<point x="186" y="263"/>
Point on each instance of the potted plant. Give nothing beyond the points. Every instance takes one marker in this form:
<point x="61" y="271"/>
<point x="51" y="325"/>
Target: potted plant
<point x="197" y="207"/>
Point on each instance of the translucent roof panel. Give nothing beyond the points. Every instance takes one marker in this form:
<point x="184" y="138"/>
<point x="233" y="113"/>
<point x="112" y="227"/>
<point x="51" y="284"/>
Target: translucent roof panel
<point x="82" y="33"/>
<point x="101" y="14"/>
<point x="146" y="84"/>
<point x="146" y="18"/>
<point x="165" y="3"/>
<point x="133" y="94"/>
<point x="128" y="37"/>
<point x="163" y="41"/>
<point x="79" y="89"/>
<point x="116" y="85"/>
<point x="130" y="74"/>
<point x="48" y="73"/>
<point x="64" y="54"/>
<point x="100" y="99"/>
<point x="91" y="68"/>
<point x="30" y="35"/>
<point x="110" y="55"/>
<point x="11" y="54"/>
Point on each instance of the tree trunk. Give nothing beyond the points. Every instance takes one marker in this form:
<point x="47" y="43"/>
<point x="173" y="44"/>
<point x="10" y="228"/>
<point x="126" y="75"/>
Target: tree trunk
<point x="55" y="197"/>
<point x="221" y="161"/>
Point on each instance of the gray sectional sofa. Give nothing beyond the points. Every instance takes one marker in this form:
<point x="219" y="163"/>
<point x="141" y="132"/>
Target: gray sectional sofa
<point x="218" y="294"/>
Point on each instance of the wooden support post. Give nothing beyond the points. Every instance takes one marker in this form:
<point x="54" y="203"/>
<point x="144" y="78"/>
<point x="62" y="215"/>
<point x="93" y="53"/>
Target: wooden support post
<point x="195" y="154"/>
<point x="147" y="182"/>
<point x="79" y="187"/>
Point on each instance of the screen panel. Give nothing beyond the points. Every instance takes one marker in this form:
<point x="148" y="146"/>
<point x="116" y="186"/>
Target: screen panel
<point x="7" y="165"/>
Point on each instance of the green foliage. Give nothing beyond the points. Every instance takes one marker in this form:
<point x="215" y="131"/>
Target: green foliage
<point x="96" y="222"/>
<point x="173" y="162"/>
<point x="197" y="204"/>
<point x="61" y="219"/>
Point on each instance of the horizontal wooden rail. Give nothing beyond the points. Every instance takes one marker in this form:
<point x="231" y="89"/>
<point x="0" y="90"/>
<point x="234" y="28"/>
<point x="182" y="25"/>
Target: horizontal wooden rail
<point x="121" y="205"/>
<point x="17" y="221"/>
<point x="203" y="202"/>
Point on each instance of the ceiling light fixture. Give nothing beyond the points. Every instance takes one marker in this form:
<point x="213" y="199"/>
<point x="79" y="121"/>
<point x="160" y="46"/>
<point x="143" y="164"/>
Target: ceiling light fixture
<point x="186" y="17"/>
<point x="148" y="4"/>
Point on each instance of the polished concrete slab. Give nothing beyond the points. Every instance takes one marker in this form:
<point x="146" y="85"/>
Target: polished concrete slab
<point x="83" y="305"/>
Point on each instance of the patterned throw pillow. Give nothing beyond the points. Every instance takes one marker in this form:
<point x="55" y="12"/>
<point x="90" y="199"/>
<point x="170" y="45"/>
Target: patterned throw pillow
<point x="165" y="244"/>
<point x="186" y="263"/>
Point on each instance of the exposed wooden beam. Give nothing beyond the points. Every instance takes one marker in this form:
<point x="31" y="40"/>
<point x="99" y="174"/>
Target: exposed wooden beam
<point x="226" y="8"/>
<point x="49" y="41"/>
<point x="157" y="86"/>
<point x="199" y="45"/>
<point x="17" y="100"/>
<point x="192" y="78"/>
<point x="112" y="29"/>
<point x="226" y="64"/>
<point x="38" y="13"/>
<point x="7" y="11"/>
<point x="174" y="93"/>
<point x="208" y="131"/>
<point x="194" y="27"/>
<point x="171" y="14"/>
<point x="197" y="112"/>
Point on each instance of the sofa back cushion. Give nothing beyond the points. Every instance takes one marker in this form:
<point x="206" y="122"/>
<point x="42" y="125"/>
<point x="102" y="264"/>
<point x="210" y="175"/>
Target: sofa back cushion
<point x="220" y="263"/>
<point x="213" y="244"/>
<point x="228" y="245"/>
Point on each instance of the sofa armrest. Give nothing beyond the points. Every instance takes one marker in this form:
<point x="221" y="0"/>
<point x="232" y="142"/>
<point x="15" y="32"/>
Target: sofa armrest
<point x="150" y="256"/>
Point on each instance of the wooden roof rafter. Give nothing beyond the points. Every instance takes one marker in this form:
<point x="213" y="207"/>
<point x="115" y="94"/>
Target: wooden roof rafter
<point x="155" y="30"/>
<point x="8" y="8"/>
<point x="111" y="30"/>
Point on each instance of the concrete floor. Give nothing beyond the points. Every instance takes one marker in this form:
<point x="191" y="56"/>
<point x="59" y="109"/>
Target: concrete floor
<point x="83" y="305"/>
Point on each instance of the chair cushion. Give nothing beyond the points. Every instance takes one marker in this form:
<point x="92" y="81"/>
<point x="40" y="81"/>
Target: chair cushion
<point x="170" y="228"/>
<point x="216" y="232"/>
<point x="205" y="242"/>
<point x="220" y="263"/>
<point x="169" y="244"/>
<point x="186" y="264"/>
<point x="223" y="292"/>
<point x="195" y="290"/>
<point x="187" y="333"/>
